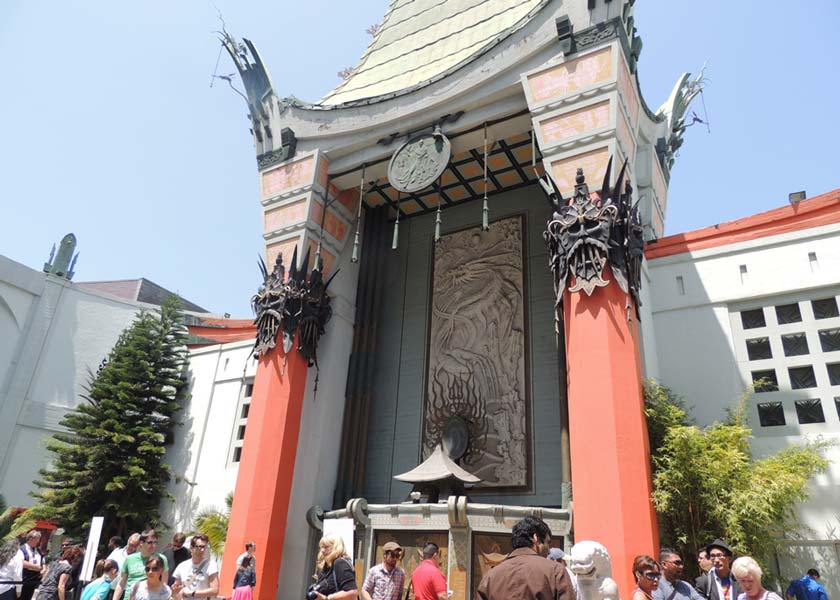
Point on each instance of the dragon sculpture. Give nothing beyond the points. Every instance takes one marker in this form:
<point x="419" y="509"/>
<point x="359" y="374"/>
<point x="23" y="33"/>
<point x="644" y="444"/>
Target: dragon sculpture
<point x="590" y="562"/>
<point x="297" y="304"/>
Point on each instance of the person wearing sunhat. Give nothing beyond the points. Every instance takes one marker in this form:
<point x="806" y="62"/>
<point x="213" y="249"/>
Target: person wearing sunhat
<point x="719" y="583"/>
<point x="386" y="581"/>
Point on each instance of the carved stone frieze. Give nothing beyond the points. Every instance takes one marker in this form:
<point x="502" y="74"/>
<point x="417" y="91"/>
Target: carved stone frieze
<point x="476" y="370"/>
<point x="419" y="162"/>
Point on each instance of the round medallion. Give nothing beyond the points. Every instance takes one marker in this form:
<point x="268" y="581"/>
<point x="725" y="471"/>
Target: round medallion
<point x="419" y="162"/>
<point x="455" y="437"/>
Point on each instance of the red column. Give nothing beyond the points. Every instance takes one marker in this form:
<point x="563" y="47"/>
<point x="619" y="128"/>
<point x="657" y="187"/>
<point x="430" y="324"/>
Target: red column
<point x="266" y="469"/>
<point x="611" y="474"/>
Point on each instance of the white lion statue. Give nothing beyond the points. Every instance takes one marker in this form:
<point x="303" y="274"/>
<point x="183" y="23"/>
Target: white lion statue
<point x="590" y="562"/>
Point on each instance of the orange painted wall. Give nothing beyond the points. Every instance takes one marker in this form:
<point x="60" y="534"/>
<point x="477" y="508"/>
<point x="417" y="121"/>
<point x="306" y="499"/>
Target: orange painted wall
<point x="814" y="212"/>
<point x="264" y="482"/>
<point x="611" y="474"/>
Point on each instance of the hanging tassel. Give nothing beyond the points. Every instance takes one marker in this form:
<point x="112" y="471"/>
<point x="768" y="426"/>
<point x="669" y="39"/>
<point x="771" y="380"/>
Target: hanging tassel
<point x="395" y="242"/>
<point x="485" y="209"/>
<point x="437" y="224"/>
<point x="354" y="258"/>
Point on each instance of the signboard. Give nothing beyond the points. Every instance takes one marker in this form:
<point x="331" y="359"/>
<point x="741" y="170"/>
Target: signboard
<point x="90" y="549"/>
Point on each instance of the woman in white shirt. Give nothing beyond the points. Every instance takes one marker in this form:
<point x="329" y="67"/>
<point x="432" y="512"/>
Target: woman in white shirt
<point x="11" y="569"/>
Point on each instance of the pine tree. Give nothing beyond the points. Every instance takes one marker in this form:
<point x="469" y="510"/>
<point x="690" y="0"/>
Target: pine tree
<point x="110" y="460"/>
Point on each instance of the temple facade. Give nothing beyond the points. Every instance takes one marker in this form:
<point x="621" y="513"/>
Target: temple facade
<point x="406" y="210"/>
<point x="426" y="322"/>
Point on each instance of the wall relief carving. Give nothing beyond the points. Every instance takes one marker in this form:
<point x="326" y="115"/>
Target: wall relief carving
<point x="476" y="384"/>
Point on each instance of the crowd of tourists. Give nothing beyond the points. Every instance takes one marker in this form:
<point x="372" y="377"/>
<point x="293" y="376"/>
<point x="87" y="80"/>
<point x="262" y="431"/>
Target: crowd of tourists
<point x="138" y="570"/>
<point x="534" y="570"/>
<point x="134" y="570"/>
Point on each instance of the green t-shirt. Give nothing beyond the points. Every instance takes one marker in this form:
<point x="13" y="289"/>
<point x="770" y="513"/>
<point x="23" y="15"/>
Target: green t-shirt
<point x="135" y="567"/>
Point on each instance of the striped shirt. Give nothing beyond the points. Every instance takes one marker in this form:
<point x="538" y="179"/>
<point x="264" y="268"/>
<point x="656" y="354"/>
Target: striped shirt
<point x="384" y="585"/>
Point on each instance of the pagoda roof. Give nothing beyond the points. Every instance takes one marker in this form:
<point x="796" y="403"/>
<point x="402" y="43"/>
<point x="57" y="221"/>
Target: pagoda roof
<point x="421" y="41"/>
<point x="437" y="468"/>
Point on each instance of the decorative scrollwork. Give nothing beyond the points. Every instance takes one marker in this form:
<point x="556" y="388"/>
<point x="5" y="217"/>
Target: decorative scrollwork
<point x="589" y="231"/>
<point x="297" y="304"/>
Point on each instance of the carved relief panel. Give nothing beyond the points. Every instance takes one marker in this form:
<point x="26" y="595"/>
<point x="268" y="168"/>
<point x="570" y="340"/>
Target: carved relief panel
<point x="477" y="401"/>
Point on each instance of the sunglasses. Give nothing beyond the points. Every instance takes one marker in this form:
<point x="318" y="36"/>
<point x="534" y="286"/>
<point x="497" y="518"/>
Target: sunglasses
<point x="151" y="542"/>
<point x="651" y="575"/>
<point x="197" y="547"/>
<point x="679" y="563"/>
<point x="396" y="553"/>
<point x="153" y="569"/>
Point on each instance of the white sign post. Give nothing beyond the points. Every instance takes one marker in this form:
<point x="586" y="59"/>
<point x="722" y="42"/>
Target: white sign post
<point x="90" y="549"/>
<point x="343" y="528"/>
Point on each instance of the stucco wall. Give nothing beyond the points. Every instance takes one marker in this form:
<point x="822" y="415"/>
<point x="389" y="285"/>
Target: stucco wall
<point x="53" y="334"/>
<point x="701" y="352"/>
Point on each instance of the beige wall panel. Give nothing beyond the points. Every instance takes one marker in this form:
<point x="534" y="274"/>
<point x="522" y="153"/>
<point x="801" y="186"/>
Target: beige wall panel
<point x="571" y="76"/>
<point x="575" y="123"/>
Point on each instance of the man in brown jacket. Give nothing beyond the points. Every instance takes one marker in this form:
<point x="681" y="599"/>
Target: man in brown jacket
<point x="526" y="573"/>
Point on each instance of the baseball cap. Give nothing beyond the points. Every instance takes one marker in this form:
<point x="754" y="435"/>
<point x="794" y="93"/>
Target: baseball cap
<point x="556" y="554"/>
<point x="391" y="546"/>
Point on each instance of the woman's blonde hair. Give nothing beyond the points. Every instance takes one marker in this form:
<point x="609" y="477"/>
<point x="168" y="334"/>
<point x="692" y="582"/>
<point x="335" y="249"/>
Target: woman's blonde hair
<point x="746" y="565"/>
<point x="337" y="551"/>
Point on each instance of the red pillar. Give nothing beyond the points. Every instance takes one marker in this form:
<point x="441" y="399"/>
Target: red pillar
<point x="611" y="474"/>
<point x="266" y="469"/>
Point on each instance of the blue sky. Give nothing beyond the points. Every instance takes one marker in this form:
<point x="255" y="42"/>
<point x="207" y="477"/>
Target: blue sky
<point x="110" y="129"/>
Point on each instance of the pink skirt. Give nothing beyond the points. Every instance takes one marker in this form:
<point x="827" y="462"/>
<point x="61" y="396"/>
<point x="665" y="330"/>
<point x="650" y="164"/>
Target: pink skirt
<point x="242" y="593"/>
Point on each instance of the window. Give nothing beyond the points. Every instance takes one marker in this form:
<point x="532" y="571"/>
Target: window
<point x="830" y="339"/>
<point x="759" y="348"/>
<point x="771" y="414"/>
<point x="825" y="308"/>
<point x="833" y="373"/>
<point x="788" y="313"/>
<point x="809" y="411"/>
<point x="680" y="285"/>
<point x="837" y="404"/>
<point x="795" y="344"/>
<point x="240" y="423"/>
<point x="802" y="377"/>
<point x="765" y="381"/>
<point x="752" y="319"/>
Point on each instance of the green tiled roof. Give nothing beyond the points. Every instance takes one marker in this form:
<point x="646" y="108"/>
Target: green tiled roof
<point x="421" y="40"/>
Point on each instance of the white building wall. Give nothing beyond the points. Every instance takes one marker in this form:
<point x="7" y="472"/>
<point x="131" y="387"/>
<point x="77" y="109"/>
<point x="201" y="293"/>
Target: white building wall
<point x="702" y="355"/>
<point x="52" y="333"/>
<point x="203" y="472"/>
